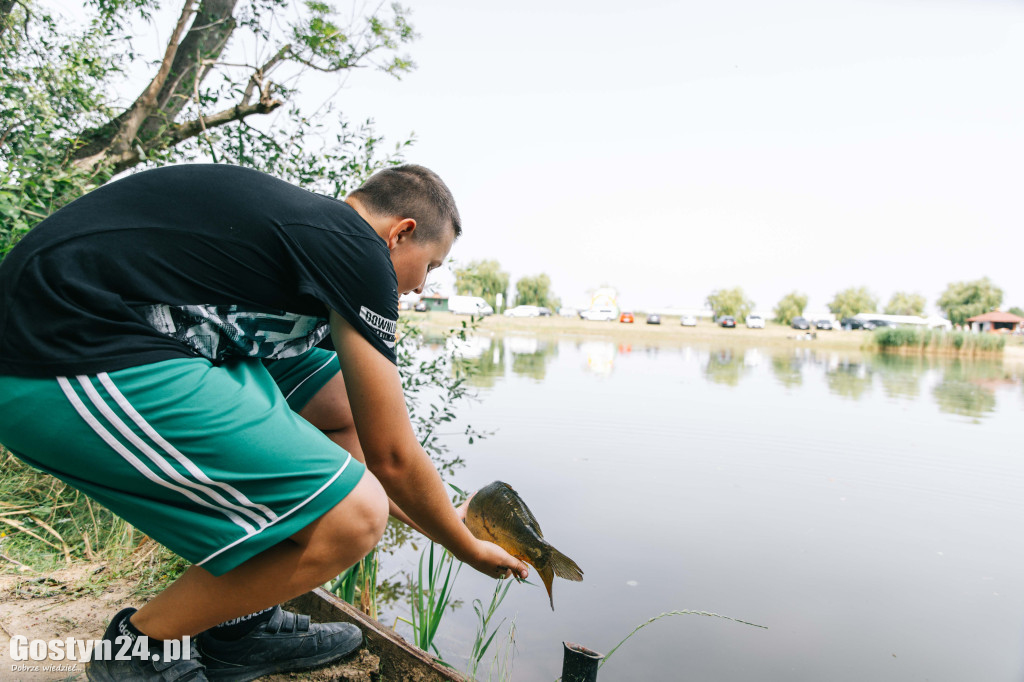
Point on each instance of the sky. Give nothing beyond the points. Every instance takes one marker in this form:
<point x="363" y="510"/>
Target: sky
<point x="669" y="149"/>
<point x="673" y="148"/>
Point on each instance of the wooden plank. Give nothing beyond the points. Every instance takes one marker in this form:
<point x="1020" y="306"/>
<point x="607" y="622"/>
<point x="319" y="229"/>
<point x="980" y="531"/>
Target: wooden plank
<point x="399" y="660"/>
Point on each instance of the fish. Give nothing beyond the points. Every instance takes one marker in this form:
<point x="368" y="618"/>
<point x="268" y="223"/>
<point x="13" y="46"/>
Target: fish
<point x="497" y="514"/>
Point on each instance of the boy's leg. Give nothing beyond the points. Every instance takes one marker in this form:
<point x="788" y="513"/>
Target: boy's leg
<point x="199" y="600"/>
<point x="213" y="463"/>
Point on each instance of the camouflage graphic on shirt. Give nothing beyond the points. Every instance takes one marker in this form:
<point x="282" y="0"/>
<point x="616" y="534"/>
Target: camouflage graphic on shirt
<point x="219" y="331"/>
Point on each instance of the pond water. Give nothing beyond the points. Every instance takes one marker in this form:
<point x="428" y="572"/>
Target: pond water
<point x="866" y="509"/>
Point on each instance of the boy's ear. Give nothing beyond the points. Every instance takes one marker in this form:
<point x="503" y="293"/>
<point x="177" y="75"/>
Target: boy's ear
<point x="400" y="230"/>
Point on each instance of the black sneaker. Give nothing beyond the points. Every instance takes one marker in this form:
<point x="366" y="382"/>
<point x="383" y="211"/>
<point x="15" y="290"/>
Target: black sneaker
<point x="152" y="668"/>
<point x="286" y="642"/>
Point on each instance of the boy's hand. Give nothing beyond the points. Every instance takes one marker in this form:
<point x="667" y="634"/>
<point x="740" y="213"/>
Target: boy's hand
<point x="493" y="561"/>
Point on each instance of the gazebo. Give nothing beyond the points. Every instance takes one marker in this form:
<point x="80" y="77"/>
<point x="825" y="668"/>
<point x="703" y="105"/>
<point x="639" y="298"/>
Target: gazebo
<point x="996" y="321"/>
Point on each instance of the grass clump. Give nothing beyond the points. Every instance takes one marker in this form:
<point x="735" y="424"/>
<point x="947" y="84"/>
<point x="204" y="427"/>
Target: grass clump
<point x="46" y="525"/>
<point x="914" y="340"/>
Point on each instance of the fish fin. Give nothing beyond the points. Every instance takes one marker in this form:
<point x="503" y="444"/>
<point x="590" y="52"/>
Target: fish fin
<point x="564" y="567"/>
<point x="547" y="575"/>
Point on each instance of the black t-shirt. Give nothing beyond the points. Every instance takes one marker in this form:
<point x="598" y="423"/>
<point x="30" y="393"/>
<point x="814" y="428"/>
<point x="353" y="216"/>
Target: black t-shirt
<point x="186" y="261"/>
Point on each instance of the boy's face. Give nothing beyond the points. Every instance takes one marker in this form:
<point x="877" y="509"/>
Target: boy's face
<point x="413" y="259"/>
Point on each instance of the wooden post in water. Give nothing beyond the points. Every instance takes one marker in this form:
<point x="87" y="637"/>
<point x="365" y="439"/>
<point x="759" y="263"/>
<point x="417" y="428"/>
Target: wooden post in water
<point x="579" y="664"/>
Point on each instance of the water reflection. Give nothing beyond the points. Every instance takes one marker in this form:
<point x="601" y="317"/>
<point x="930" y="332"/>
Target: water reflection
<point x="787" y="369"/>
<point x="488" y="359"/>
<point x="725" y="367"/>
<point x="966" y="391"/>
<point x="530" y="355"/>
<point x="901" y="376"/>
<point x="849" y="379"/>
<point x="960" y="387"/>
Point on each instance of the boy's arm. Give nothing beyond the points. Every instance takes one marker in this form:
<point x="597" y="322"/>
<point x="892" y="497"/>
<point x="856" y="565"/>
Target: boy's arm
<point x="396" y="458"/>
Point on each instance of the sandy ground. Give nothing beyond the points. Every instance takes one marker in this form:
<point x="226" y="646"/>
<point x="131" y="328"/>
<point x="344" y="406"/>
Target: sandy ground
<point x="669" y="332"/>
<point x="78" y="602"/>
<point x="73" y="602"/>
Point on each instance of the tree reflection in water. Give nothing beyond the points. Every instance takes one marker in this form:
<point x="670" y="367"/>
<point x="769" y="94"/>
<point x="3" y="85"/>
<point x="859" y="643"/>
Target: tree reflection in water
<point x="725" y="367"/>
<point x="900" y="375"/>
<point x="849" y="379"/>
<point x="788" y="369"/>
<point x="963" y="389"/>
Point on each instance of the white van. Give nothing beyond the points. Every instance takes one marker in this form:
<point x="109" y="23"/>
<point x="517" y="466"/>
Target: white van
<point x="600" y="314"/>
<point x="469" y="305"/>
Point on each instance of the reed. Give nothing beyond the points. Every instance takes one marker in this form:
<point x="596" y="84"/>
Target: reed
<point x="912" y="340"/>
<point x="431" y="596"/>
<point x="501" y="663"/>
<point x="484" y="634"/>
<point x="358" y="584"/>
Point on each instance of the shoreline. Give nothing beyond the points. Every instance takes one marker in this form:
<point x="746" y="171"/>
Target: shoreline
<point x="671" y="333"/>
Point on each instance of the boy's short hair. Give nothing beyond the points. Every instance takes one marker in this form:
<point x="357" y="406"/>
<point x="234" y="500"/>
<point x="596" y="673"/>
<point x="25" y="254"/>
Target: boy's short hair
<point x="411" y="191"/>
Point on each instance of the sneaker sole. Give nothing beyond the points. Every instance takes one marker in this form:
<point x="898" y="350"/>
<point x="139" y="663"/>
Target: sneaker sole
<point x="248" y="673"/>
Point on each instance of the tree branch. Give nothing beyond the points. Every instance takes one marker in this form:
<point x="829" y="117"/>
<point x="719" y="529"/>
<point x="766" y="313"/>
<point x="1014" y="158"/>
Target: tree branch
<point x="256" y="79"/>
<point x="181" y="132"/>
<point x="146" y="102"/>
<point x="202" y="45"/>
<point x="184" y="131"/>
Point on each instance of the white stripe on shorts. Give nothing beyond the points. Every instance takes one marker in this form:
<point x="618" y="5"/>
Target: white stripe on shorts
<point x="334" y="356"/>
<point x="288" y="513"/>
<point x="181" y="459"/>
<point x="120" y="449"/>
<point x="156" y="458"/>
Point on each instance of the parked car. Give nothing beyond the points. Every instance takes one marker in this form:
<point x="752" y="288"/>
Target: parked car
<point x="524" y="311"/>
<point x="727" y="321"/>
<point x="653" y="319"/>
<point x="850" y="323"/>
<point x="421" y="307"/>
<point x="823" y="324"/>
<point x="469" y="305"/>
<point x="875" y="324"/>
<point x="755" y="322"/>
<point x="626" y="317"/>
<point x="599" y="314"/>
<point x="544" y="312"/>
<point x="800" y="323"/>
<point x="688" y="321"/>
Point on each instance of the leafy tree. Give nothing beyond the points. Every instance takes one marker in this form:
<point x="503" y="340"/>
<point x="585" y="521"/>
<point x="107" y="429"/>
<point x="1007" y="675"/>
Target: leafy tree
<point x="483" y="278"/>
<point x="62" y="131"/>
<point x="849" y="302"/>
<point x="1015" y="310"/>
<point x="535" y="290"/>
<point x="903" y="303"/>
<point x="962" y="300"/>
<point x="789" y="306"/>
<point x="730" y="302"/>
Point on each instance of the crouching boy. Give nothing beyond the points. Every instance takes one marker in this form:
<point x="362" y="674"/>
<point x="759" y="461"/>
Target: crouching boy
<point x="158" y="351"/>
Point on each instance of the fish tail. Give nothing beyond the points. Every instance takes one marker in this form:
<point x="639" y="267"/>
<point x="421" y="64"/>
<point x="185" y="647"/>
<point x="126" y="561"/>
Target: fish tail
<point x="547" y="575"/>
<point x="564" y="567"/>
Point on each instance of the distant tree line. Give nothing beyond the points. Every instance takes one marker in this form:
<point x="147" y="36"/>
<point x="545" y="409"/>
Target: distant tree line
<point x="486" y="279"/>
<point x="959" y="301"/>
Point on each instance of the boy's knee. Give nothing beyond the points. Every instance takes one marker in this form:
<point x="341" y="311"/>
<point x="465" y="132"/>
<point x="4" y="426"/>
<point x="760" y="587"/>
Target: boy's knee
<point x="353" y="527"/>
<point x="373" y="508"/>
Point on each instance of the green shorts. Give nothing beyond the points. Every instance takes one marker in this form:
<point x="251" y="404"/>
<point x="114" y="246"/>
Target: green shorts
<point x="211" y="461"/>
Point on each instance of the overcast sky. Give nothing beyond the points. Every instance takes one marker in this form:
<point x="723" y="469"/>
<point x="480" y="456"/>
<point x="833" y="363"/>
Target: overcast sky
<point x="672" y="148"/>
